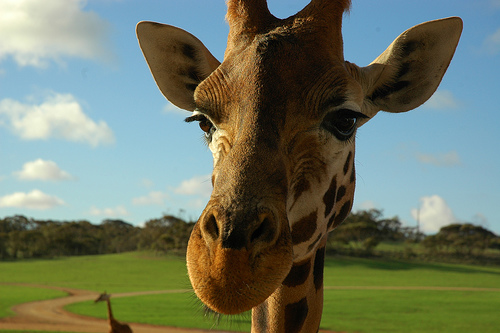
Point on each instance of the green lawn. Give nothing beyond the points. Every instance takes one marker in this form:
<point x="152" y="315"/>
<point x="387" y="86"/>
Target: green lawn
<point x="125" y="272"/>
<point x="12" y="295"/>
<point x="348" y="310"/>
<point x="381" y="272"/>
<point x="411" y="311"/>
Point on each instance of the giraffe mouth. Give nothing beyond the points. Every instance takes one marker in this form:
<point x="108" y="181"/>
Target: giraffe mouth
<point x="232" y="281"/>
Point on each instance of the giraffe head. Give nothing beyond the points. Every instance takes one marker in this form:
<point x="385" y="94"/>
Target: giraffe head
<point x="102" y="297"/>
<point x="280" y="115"/>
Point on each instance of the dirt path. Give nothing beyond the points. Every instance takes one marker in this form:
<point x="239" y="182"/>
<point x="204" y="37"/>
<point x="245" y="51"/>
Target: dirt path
<point x="49" y="315"/>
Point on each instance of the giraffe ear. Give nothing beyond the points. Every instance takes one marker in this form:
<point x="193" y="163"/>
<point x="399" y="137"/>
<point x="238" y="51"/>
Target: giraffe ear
<point x="409" y="71"/>
<point x="178" y="61"/>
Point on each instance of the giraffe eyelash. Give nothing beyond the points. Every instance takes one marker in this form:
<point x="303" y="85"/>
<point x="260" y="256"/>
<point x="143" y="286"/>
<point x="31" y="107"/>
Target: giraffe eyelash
<point x="205" y="124"/>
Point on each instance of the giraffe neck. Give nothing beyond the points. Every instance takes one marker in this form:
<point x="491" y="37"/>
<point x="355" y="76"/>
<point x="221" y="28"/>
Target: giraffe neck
<point x="296" y="306"/>
<point x="110" y="312"/>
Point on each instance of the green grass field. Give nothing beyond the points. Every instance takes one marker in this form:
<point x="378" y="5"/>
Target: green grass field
<point x="114" y="273"/>
<point x="12" y="295"/>
<point x="347" y="310"/>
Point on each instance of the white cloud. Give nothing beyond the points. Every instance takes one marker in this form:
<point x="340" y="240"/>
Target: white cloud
<point x="153" y="198"/>
<point x="59" y="116"/>
<point x="198" y="189"/>
<point x="443" y="100"/>
<point x="109" y="212"/>
<point x="35" y="199"/>
<point x="366" y="205"/>
<point x="33" y="32"/>
<point x="433" y="214"/>
<point x="444" y="159"/>
<point x="198" y="185"/>
<point x="197" y="204"/>
<point x="492" y="42"/>
<point x="42" y="170"/>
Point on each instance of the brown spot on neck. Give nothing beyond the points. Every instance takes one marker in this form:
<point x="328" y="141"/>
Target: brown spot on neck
<point x="347" y="163"/>
<point x="295" y="316"/>
<point x="305" y="228"/>
<point x="319" y="265"/>
<point x="340" y="193"/>
<point x="344" y="211"/>
<point x="329" y="197"/>
<point x="298" y="274"/>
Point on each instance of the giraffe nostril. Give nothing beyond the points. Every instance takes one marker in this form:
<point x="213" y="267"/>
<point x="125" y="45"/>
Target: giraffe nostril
<point x="260" y="231"/>
<point x="211" y="227"/>
<point x="241" y="230"/>
<point x="265" y="231"/>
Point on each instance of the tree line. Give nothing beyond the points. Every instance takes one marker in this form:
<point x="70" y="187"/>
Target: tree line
<point x="359" y="234"/>
<point x="22" y="237"/>
<point x="364" y="230"/>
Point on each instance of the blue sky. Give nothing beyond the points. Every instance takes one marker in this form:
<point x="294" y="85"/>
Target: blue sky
<point x="85" y="133"/>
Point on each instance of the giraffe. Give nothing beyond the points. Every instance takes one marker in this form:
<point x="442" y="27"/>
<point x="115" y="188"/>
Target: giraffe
<point x="114" y="325"/>
<point x="280" y="115"/>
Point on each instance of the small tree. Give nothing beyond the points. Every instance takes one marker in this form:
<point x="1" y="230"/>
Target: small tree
<point x="365" y="229"/>
<point x="359" y="230"/>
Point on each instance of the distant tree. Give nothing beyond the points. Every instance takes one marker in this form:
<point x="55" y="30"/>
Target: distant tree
<point x="4" y="238"/>
<point x="75" y="238"/>
<point x="365" y="229"/>
<point x="495" y="243"/>
<point x="118" y="236"/>
<point x="16" y="223"/>
<point x="28" y="238"/>
<point x="390" y="229"/>
<point x="359" y="230"/>
<point x="165" y="234"/>
<point x="411" y="234"/>
<point x="463" y="239"/>
<point x="29" y="244"/>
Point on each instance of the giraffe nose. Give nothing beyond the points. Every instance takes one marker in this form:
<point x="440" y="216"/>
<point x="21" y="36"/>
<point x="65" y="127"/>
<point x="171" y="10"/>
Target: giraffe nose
<point x="240" y="229"/>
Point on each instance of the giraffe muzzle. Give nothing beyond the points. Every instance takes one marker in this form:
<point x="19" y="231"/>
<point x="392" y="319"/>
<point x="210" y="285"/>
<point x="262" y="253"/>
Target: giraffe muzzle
<point x="236" y="259"/>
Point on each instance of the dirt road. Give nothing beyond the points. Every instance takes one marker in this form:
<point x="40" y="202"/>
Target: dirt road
<point x="50" y="315"/>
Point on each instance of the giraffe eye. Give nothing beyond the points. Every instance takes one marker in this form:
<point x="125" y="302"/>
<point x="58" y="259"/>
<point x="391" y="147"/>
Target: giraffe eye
<point x="342" y="123"/>
<point x="206" y="126"/>
<point x="204" y="123"/>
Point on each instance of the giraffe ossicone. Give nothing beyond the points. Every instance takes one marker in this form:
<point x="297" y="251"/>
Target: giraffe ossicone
<point x="280" y="114"/>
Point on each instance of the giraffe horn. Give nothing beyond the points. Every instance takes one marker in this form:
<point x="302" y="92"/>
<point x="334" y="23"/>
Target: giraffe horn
<point x="326" y="18"/>
<point x="248" y="16"/>
<point x="325" y="9"/>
